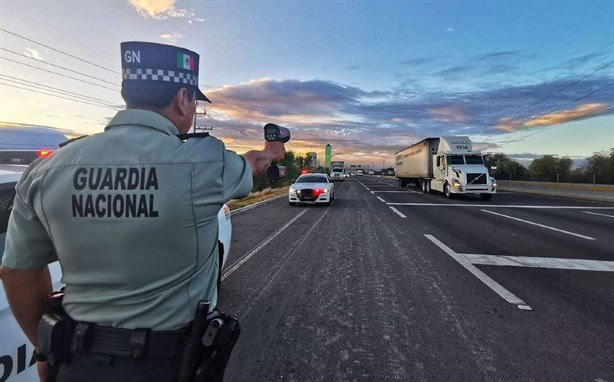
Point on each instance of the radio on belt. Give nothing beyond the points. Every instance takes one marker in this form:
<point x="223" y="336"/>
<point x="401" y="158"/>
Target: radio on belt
<point x="275" y="133"/>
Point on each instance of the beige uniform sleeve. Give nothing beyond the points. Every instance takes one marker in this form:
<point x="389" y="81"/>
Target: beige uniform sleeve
<point x="28" y="244"/>
<point x="237" y="176"/>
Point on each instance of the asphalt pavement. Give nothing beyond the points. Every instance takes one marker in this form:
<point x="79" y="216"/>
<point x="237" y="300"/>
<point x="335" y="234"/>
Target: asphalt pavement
<point x="389" y="283"/>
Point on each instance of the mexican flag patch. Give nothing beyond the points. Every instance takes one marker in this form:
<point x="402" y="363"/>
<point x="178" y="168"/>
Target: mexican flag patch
<point x="185" y="61"/>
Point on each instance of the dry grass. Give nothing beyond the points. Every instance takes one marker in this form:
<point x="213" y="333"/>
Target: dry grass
<point x="256" y="197"/>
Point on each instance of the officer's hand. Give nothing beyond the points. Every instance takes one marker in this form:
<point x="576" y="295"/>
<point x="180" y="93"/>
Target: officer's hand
<point x="277" y="150"/>
<point x="41" y="367"/>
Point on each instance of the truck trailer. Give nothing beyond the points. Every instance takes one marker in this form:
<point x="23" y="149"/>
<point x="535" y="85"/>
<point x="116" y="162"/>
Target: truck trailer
<point x="445" y="164"/>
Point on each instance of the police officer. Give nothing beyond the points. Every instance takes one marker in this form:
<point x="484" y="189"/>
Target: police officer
<point x="131" y="215"/>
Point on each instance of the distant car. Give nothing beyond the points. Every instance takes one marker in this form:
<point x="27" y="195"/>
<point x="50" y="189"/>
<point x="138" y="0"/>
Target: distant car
<point x="337" y="174"/>
<point x="311" y="189"/>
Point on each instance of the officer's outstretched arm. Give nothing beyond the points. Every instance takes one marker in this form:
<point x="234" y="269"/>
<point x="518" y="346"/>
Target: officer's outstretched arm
<point x="259" y="161"/>
<point x="26" y="290"/>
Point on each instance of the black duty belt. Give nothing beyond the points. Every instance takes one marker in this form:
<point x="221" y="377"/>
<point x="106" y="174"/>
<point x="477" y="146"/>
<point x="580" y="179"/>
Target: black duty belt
<point x="130" y="343"/>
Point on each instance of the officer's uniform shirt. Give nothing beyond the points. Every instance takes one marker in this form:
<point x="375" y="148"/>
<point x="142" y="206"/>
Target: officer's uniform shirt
<point x="131" y="214"/>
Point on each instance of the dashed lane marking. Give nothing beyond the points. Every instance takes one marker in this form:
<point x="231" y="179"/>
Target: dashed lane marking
<point x="398" y="212"/>
<point x="380" y="199"/>
<point x="540" y="225"/>
<point x="593" y="213"/>
<point x="541" y="262"/>
<point x="227" y="272"/>
<point x="492" y="284"/>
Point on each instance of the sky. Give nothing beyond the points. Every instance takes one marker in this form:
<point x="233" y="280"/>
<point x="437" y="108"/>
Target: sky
<point x="523" y="78"/>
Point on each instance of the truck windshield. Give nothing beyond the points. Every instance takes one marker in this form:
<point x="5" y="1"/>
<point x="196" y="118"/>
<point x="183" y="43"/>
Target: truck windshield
<point x="337" y="170"/>
<point x="474" y="159"/>
<point x="456" y="159"/>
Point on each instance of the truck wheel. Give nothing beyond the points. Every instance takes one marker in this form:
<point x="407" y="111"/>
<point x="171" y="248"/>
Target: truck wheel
<point x="422" y="185"/>
<point x="446" y="191"/>
<point x="402" y="183"/>
<point x="485" y="196"/>
<point x="428" y="187"/>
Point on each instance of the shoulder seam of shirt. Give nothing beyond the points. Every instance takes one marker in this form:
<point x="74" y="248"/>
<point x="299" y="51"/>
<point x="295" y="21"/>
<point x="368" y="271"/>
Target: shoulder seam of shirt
<point x="141" y="125"/>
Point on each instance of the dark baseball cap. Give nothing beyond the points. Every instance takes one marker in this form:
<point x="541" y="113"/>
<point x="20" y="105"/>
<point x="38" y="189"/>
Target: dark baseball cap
<point x="152" y="62"/>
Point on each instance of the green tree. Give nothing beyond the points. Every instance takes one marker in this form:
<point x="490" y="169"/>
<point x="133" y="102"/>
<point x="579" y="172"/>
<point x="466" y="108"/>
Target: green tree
<point x="504" y="167"/>
<point x="547" y="167"/>
<point x="601" y="165"/>
<point x="293" y="163"/>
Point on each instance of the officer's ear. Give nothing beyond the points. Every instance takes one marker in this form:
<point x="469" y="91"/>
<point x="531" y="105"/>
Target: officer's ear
<point x="183" y="101"/>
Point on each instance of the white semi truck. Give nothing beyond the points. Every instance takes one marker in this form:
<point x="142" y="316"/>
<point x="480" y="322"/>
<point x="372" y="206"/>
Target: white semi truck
<point x="445" y="164"/>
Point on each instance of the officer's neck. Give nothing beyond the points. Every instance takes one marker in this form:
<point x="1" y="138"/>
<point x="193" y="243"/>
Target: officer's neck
<point x="178" y="119"/>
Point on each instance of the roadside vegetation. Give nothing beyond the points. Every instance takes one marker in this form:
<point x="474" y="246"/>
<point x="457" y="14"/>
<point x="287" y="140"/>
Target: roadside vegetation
<point x="257" y="196"/>
<point x="598" y="168"/>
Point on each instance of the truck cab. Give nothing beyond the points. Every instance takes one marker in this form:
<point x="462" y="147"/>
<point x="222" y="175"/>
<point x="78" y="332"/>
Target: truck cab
<point x="337" y="174"/>
<point x="460" y="170"/>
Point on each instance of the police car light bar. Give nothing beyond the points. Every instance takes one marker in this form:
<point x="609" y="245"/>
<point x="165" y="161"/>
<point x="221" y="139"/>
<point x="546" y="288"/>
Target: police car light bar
<point x="44" y="153"/>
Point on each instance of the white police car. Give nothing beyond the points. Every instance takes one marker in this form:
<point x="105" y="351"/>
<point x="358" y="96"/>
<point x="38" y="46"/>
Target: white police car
<point x="311" y="189"/>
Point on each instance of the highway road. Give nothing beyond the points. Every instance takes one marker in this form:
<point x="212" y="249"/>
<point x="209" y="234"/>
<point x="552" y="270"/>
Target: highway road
<point x="392" y="284"/>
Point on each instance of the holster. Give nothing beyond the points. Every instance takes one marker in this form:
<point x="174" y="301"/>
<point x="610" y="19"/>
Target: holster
<point x="55" y="331"/>
<point x="206" y="350"/>
<point x="219" y="340"/>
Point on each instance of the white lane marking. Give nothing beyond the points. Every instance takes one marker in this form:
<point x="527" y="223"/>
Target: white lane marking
<point x="592" y="213"/>
<point x="380" y="199"/>
<point x="492" y="284"/>
<point x="280" y="264"/>
<point x="266" y="241"/>
<point x="540" y="225"/>
<point x="398" y="212"/>
<point x="399" y="192"/>
<point x="540" y="262"/>
<point x="372" y="192"/>
<point x="501" y="206"/>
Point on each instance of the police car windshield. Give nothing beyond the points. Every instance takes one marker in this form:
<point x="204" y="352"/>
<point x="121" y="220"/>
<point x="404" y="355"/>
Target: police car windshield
<point x="311" y="179"/>
<point x="337" y="170"/>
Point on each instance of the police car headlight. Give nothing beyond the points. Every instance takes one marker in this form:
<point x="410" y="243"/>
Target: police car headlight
<point x="324" y="191"/>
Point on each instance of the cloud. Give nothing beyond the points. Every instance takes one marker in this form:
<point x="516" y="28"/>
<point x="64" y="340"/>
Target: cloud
<point x="449" y="114"/>
<point x="171" y="37"/>
<point x="369" y="124"/>
<point x="34" y="54"/>
<point x="419" y="61"/>
<point x="549" y="119"/>
<point x="563" y="116"/>
<point x="450" y="29"/>
<point x="496" y="55"/>
<point x="454" y="71"/>
<point x="163" y="9"/>
<point x="353" y="67"/>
